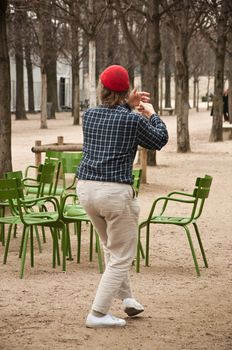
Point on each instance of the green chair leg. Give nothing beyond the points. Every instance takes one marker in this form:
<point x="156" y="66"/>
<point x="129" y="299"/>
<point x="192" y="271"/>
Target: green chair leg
<point x="2" y="227"/>
<point x="32" y="246"/>
<point x="53" y="234"/>
<point x="15" y="231"/>
<point x="69" y="249"/>
<point x="43" y="234"/>
<point x="38" y="239"/>
<point x="192" y="250"/>
<point x="2" y="234"/>
<point x="22" y="239"/>
<point x="24" y="251"/>
<point x="78" y="242"/>
<point x="200" y="244"/>
<point x="147" y="245"/>
<point x="56" y="236"/>
<point x="138" y="253"/>
<point x="64" y="247"/>
<point x="7" y="244"/>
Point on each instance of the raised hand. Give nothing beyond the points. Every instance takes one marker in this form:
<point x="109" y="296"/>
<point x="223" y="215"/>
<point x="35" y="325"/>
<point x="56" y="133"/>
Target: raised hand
<point x="146" y="109"/>
<point x="136" y="97"/>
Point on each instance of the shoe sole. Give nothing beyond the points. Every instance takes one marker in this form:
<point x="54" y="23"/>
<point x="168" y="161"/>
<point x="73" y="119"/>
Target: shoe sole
<point x="131" y="311"/>
<point x="105" y="326"/>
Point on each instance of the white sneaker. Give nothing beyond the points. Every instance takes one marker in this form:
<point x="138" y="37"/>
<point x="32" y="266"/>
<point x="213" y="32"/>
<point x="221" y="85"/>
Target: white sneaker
<point x="132" y="307"/>
<point x="104" y="321"/>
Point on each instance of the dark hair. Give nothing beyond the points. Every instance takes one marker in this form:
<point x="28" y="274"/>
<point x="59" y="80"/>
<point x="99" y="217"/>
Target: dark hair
<point x="112" y="98"/>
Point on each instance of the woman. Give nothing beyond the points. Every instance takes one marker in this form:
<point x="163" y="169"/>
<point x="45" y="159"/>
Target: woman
<point x="112" y="133"/>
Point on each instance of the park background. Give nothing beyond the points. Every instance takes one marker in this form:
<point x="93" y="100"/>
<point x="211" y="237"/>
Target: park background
<point x="180" y="51"/>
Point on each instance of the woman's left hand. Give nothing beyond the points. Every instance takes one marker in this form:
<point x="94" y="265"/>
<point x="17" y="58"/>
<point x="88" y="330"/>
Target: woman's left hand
<point x="136" y="97"/>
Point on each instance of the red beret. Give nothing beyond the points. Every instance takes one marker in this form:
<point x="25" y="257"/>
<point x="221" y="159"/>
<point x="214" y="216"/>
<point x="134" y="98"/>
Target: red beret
<point x="115" y="78"/>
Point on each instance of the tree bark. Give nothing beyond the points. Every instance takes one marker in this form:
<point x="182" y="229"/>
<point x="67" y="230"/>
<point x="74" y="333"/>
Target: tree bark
<point x="5" y="96"/>
<point x="43" y="120"/>
<point x="230" y="73"/>
<point x="20" y="103"/>
<point x="76" y="34"/>
<point x="30" y="80"/>
<point x="216" y="130"/>
<point x="182" y="92"/>
<point x="167" y="72"/>
<point x="76" y="95"/>
<point x="52" y="84"/>
<point x="92" y="60"/>
<point x="92" y="73"/>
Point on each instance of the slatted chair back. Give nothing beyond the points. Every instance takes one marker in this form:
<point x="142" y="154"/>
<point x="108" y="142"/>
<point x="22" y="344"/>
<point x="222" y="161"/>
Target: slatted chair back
<point x="48" y="178"/>
<point x="53" y="155"/>
<point x="201" y="193"/>
<point x="70" y="162"/>
<point x="12" y="190"/>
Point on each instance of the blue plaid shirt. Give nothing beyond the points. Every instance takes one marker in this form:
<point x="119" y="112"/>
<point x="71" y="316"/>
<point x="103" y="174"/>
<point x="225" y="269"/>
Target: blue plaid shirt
<point x="111" y="138"/>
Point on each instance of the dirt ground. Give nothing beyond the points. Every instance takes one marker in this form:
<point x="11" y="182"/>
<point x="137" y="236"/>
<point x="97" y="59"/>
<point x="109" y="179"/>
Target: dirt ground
<point x="47" y="309"/>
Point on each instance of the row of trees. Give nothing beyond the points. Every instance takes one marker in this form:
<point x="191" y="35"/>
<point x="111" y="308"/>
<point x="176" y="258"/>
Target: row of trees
<point x="188" y="37"/>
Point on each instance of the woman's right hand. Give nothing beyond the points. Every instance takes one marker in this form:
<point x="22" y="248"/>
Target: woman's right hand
<point x="146" y="109"/>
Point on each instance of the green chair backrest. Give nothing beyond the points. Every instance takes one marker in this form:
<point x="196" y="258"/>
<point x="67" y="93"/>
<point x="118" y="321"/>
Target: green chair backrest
<point x="11" y="190"/>
<point x="48" y="178"/>
<point x="137" y="174"/>
<point x="13" y="175"/>
<point x="70" y="162"/>
<point x="201" y="192"/>
<point x="49" y="155"/>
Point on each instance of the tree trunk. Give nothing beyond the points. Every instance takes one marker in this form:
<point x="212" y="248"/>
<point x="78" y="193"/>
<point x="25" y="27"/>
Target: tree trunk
<point x="182" y="92"/>
<point x="5" y="96"/>
<point x="167" y="72"/>
<point x="92" y="59"/>
<point x="151" y="57"/>
<point x="30" y="80"/>
<point x="230" y="73"/>
<point x="20" y="103"/>
<point x="216" y="130"/>
<point x="77" y="41"/>
<point x="52" y="84"/>
<point x="161" y="91"/>
<point x="194" y="89"/>
<point x="48" y="57"/>
<point x="208" y="97"/>
<point x="76" y="95"/>
<point x="92" y="73"/>
<point x="43" y="120"/>
<point x="197" y="96"/>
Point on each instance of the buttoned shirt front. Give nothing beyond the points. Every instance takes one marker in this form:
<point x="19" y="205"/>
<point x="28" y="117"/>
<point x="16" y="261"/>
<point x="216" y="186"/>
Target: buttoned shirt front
<point x="111" y="137"/>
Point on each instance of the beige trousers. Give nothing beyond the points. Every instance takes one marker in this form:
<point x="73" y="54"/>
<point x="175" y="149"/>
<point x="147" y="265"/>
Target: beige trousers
<point x="114" y="212"/>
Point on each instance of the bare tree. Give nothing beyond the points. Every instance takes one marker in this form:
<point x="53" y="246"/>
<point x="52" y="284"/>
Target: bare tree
<point x="185" y="17"/>
<point x="5" y="95"/>
<point x="147" y="50"/>
<point x="222" y="18"/>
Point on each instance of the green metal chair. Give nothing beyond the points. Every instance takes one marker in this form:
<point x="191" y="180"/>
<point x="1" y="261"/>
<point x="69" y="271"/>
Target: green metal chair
<point x="29" y="213"/>
<point x="194" y="201"/>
